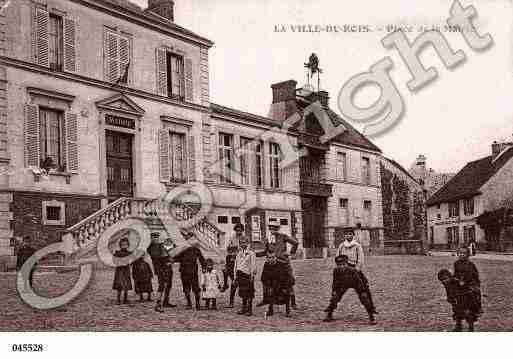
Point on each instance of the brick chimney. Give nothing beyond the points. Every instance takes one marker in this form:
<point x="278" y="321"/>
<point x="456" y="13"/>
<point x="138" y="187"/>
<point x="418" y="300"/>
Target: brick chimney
<point x="284" y="100"/>
<point x="164" y="8"/>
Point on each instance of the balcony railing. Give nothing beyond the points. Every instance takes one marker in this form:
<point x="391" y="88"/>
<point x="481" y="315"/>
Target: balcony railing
<point x="309" y="140"/>
<point x="320" y="189"/>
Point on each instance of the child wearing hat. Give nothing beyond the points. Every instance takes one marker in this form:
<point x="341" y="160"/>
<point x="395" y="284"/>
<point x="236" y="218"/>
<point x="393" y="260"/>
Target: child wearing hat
<point x="245" y="271"/>
<point x="210" y="284"/>
<point x="463" y="292"/>
<point x="163" y="266"/>
<point x="346" y="277"/>
<point x="122" y="279"/>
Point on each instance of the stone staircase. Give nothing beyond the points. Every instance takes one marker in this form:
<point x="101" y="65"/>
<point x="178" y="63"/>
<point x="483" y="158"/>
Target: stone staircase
<point x="82" y="238"/>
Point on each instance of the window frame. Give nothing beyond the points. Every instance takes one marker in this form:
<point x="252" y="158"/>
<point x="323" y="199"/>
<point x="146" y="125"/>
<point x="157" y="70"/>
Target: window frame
<point x="469" y="206"/>
<point x="170" y="55"/>
<point x="59" y="45"/>
<point x="184" y="160"/>
<point x="274" y="165"/>
<point x="60" y="165"/>
<point x="223" y="150"/>
<point x="341" y="173"/>
<point x="366" y="171"/>
<point x="47" y="222"/>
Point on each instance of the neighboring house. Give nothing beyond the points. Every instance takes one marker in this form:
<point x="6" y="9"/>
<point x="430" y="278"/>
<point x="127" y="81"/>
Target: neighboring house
<point x="339" y="180"/>
<point x="404" y="210"/>
<point x="431" y="180"/>
<point x="478" y="188"/>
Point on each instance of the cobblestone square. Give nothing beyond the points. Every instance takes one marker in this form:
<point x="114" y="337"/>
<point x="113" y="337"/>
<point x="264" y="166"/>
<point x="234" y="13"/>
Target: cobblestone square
<point x="406" y="292"/>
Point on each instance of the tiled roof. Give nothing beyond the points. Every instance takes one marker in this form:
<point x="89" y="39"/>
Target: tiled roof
<point x="467" y="182"/>
<point x="228" y="111"/>
<point x="148" y="15"/>
<point x="350" y="137"/>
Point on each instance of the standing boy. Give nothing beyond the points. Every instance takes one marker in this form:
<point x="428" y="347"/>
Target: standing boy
<point x="346" y="277"/>
<point x="163" y="267"/>
<point x="188" y="260"/>
<point x="354" y="252"/>
<point x="245" y="271"/>
<point x="228" y="272"/>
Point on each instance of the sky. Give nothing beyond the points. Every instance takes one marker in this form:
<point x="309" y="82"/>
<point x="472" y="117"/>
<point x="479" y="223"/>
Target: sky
<point x="451" y="121"/>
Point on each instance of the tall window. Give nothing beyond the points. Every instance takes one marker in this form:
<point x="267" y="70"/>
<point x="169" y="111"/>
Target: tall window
<point x="259" y="164"/>
<point x="52" y="137"/>
<point x="175" y="76"/>
<point x="274" y="161"/>
<point x="366" y="174"/>
<point x="178" y="156"/>
<point x="55" y="42"/>
<point x="343" y="211"/>
<point x="244" y="160"/>
<point x="469" y="234"/>
<point x="468" y="206"/>
<point x="226" y="156"/>
<point x="367" y="211"/>
<point x="341" y="168"/>
<point x="454" y="209"/>
<point x="453" y="237"/>
<point x="117" y="57"/>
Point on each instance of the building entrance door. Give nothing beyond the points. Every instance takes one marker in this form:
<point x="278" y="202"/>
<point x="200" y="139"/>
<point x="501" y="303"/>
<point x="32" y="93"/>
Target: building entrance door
<point x="119" y="165"/>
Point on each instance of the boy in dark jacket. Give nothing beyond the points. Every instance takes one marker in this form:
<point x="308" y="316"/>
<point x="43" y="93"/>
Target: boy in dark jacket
<point x="277" y="284"/>
<point x="163" y="266"/>
<point x="346" y="277"/>
<point x="188" y="260"/>
<point x="463" y="292"/>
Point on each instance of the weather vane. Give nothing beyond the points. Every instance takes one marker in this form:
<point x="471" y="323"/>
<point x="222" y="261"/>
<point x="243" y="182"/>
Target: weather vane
<point x="313" y="68"/>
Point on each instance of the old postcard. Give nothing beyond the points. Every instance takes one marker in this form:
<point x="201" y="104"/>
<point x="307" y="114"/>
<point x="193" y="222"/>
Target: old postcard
<point x="269" y="166"/>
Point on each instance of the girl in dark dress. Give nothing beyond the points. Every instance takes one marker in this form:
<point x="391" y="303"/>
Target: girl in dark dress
<point x="122" y="280"/>
<point x="142" y="275"/>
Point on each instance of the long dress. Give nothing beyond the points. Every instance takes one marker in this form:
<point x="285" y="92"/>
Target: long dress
<point x="122" y="279"/>
<point x="211" y="281"/>
<point x="142" y="274"/>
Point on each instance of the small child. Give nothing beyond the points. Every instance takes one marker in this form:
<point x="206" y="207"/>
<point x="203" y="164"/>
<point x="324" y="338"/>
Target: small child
<point x="346" y="277"/>
<point x="210" y="284"/>
<point x="122" y="280"/>
<point x="142" y="275"/>
<point x="463" y="292"/>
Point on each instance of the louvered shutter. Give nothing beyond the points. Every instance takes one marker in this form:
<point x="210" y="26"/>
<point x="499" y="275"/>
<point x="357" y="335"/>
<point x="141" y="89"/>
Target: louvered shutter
<point x="41" y="28"/>
<point x="164" y="155"/>
<point x="161" y="76"/>
<point x="70" y="44"/>
<point x="72" y="161"/>
<point x="32" y="150"/>
<point x="111" y="57"/>
<point x="192" y="159"/>
<point x="189" y="91"/>
<point x="124" y="55"/>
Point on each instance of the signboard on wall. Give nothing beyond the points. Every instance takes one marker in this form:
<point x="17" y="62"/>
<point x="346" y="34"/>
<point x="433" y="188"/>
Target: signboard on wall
<point x="255" y="229"/>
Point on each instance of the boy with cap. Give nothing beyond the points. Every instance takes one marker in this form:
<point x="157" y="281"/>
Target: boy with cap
<point x="245" y="270"/>
<point x="346" y="277"/>
<point x="228" y="273"/>
<point x="355" y="258"/>
<point x="163" y="267"/>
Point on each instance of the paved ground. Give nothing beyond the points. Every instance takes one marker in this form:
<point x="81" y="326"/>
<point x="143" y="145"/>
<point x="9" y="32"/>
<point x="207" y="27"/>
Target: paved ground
<point x="405" y="288"/>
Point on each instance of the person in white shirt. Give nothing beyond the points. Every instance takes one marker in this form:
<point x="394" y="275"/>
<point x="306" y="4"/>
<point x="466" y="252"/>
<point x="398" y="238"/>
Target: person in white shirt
<point x="355" y="258"/>
<point x="245" y="271"/>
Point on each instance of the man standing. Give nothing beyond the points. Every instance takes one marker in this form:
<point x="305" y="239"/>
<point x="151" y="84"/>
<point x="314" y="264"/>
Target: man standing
<point x="163" y="267"/>
<point x="355" y="258"/>
<point x="24" y="252"/>
<point x="245" y="271"/>
<point x="188" y="259"/>
<point x="277" y="243"/>
<point x="232" y="249"/>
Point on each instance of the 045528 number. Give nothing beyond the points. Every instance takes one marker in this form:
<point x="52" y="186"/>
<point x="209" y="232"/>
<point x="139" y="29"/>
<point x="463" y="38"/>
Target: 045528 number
<point x="27" y="347"/>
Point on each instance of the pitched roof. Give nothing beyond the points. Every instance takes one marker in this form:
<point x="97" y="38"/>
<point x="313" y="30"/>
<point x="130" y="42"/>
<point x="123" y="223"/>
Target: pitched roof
<point x="150" y="16"/>
<point x="349" y="137"/>
<point x="401" y="168"/>
<point x="228" y="111"/>
<point x="467" y="182"/>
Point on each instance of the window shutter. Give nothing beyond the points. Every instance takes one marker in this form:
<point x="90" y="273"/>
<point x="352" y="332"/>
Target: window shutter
<point x="70" y="41"/>
<point x="124" y="55"/>
<point x="192" y="159"/>
<point x="164" y="155"/>
<point x="42" y="24"/>
<point x="111" y="57"/>
<point x="161" y="62"/>
<point x="72" y="161"/>
<point x="32" y="150"/>
<point x="189" y="91"/>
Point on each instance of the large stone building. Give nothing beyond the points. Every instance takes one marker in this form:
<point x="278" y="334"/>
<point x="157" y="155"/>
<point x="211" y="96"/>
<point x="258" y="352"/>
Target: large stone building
<point x="470" y="207"/>
<point x="105" y="107"/>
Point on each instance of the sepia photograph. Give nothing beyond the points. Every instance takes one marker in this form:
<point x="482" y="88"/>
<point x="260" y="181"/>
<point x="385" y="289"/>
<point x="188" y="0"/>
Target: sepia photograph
<point x="222" y="166"/>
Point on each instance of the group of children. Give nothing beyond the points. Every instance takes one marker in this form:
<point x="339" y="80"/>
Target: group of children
<point x="462" y="286"/>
